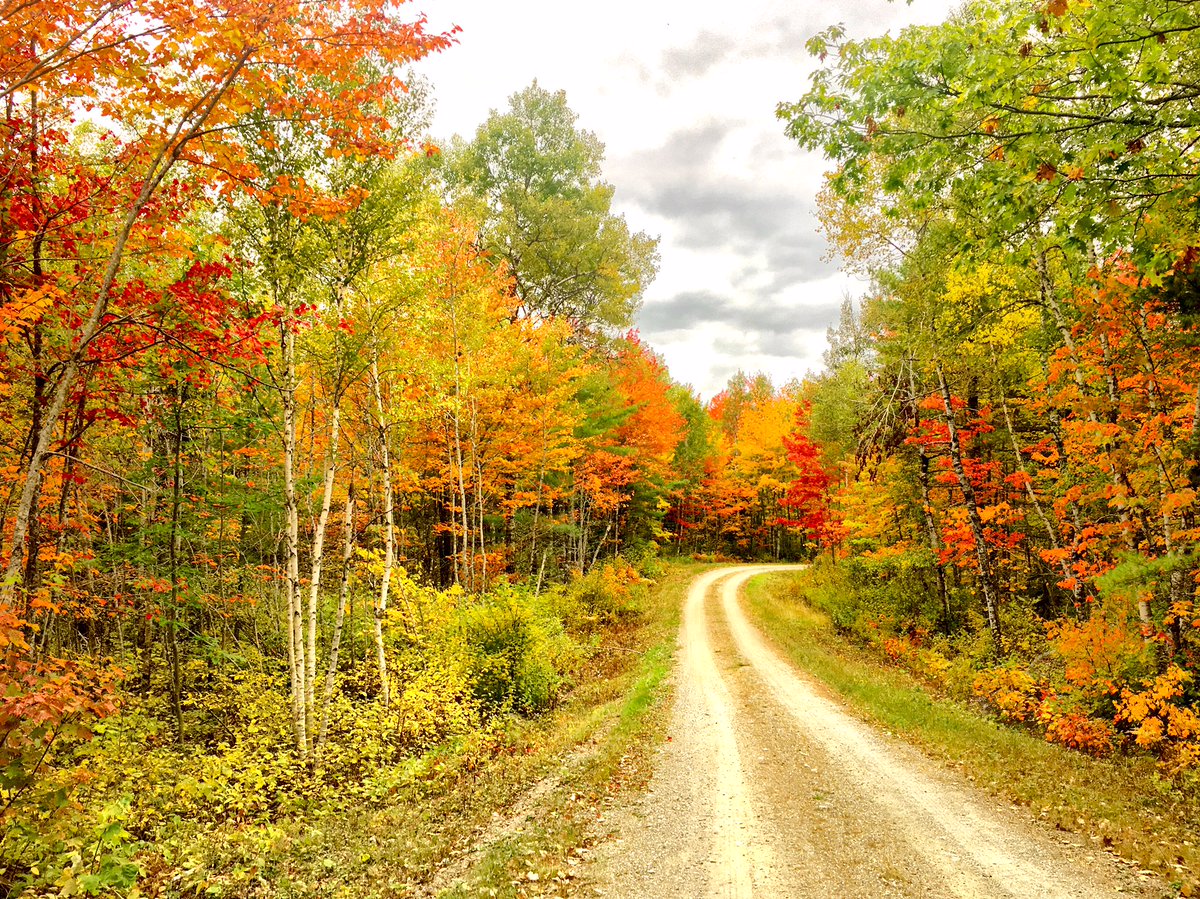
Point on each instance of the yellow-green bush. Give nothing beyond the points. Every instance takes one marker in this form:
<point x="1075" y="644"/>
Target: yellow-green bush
<point x="510" y="654"/>
<point x="610" y="592"/>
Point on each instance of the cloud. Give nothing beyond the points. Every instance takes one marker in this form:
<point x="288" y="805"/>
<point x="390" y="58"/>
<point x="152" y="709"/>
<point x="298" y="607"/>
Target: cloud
<point x="686" y="154"/>
<point x="692" y="309"/>
<point x="709" y="50"/>
<point x="682" y="311"/>
<point x="789" y="34"/>
<point x="715" y="201"/>
<point x="633" y="64"/>
<point x="706" y="51"/>
<point x="799" y="258"/>
<point x="781" y="343"/>
<point x="714" y="215"/>
<point x="710" y="336"/>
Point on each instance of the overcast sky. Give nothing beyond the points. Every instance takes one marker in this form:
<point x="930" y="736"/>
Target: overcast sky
<point x="683" y="96"/>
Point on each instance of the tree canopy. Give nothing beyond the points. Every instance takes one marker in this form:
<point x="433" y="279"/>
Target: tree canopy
<point x="533" y="180"/>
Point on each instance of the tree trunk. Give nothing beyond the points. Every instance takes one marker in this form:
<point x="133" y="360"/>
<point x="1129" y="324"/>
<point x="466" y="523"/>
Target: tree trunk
<point x="318" y="552"/>
<point x="931" y="530"/>
<point x="172" y="629"/>
<point x="987" y="580"/>
<point x="335" y="642"/>
<point x="389" y="559"/>
<point x="295" y="611"/>
<point x="934" y="539"/>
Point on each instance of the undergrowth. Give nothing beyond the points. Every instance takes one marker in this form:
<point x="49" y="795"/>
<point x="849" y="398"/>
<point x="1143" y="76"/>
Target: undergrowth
<point x="489" y="694"/>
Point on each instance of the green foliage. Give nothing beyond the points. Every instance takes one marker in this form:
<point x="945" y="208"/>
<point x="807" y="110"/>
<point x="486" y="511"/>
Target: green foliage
<point x="532" y="178"/>
<point x="1072" y="114"/>
<point x="869" y="596"/>
<point x="696" y="448"/>
<point x="510" y="653"/>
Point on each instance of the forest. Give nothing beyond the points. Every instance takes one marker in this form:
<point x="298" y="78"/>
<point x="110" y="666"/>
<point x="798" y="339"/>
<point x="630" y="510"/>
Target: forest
<point x="330" y="457"/>
<point x="322" y="446"/>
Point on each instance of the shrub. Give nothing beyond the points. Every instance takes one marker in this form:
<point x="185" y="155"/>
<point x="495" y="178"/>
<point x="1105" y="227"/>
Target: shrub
<point x="1163" y="721"/>
<point x="611" y="591"/>
<point x="509" y="654"/>
<point x="436" y="704"/>
<point x="1011" y="691"/>
<point x="1101" y="654"/>
<point x="1075" y="730"/>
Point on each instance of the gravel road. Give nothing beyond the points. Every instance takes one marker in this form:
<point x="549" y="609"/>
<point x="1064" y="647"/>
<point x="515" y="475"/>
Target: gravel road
<point x="769" y="788"/>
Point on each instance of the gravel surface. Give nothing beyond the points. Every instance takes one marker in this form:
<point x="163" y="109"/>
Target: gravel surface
<point x="768" y="787"/>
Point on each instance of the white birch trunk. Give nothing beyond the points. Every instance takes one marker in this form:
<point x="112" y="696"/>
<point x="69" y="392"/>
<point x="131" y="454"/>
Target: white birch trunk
<point x="335" y="643"/>
<point x="318" y="551"/>
<point x="389" y="559"/>
<point x="295" y="609"/>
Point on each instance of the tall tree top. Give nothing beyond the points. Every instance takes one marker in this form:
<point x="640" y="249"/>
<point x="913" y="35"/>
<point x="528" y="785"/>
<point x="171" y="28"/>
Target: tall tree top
<point x="531" y="178"/>
<point x="533" y="148"/>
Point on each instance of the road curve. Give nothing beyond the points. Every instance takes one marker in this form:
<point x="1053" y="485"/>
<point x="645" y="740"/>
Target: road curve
<point x="767" y="788"/>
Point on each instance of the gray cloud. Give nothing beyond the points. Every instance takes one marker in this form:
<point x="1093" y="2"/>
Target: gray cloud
<point x="798" y="258"/>
<point x="761" y="317"/>
<point x="682" y="311"/>
<point x="687" y="154"/>
<point x="715" y="215"/>
<point x="684" y="180"/>
<point x="788" y="34"/>
<point x="780" y="344"/>
<point x="747" y="221"/>
<point x="736" y="345"/>
<point x="706" y="51"/>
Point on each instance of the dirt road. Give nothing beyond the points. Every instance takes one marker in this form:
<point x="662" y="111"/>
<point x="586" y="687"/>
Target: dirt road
<point x="768" y="788"/>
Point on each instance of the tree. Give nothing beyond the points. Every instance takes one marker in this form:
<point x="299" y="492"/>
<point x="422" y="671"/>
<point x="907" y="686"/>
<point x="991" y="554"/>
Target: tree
<point x="1064" y="124"/>
<point x="532" y="179"/>
<point x="121" y="60"/>
<point x="1020" y="181"/>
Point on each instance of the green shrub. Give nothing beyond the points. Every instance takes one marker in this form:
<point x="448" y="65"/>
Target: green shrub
<point x="509" y="654"/>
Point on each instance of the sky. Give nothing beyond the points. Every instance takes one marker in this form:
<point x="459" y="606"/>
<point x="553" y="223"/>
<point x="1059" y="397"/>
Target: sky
<point x="683" y="96"/>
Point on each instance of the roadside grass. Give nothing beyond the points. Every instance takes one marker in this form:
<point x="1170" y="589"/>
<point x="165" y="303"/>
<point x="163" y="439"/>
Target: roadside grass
<point x="1121" y="802"/>
<point x="625" y="716"/>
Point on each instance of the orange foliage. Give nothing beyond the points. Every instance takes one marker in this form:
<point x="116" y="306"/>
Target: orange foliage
<point x="1161" y="722"/>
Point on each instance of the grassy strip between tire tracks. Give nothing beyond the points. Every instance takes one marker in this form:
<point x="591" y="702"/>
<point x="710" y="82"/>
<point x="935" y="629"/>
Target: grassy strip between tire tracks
<point x="1120" y="803"/>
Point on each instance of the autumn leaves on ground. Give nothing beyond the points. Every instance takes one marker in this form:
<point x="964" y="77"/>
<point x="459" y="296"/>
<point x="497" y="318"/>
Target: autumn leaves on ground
<point x="334" y="482"/>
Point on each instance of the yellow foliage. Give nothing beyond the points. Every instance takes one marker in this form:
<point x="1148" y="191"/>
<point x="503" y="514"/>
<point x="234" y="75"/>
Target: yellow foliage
<point x="1161" y="723"/>
<point x="1012" y="691"/>
<point x="986" y="305"/>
